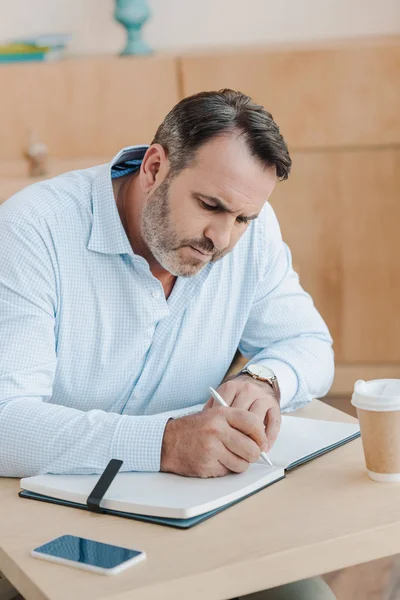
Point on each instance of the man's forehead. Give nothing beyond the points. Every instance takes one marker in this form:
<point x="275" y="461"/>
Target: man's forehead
<point x="225" y="168"/>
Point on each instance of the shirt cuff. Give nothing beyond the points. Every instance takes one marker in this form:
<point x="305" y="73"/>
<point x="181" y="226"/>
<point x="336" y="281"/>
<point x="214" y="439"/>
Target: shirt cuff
<point x="287" y="379"/>
<point x="138" y="442"/>
<point x="182" y="412"/>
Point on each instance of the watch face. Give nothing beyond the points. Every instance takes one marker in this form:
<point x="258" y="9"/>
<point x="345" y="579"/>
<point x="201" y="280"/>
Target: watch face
<point x="261" y="371"/>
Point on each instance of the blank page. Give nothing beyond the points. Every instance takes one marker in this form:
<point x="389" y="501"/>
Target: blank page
<point x="300" y="438"/>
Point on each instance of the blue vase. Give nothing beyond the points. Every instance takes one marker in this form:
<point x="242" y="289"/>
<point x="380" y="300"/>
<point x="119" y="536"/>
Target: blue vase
<point x="133" y="14"/>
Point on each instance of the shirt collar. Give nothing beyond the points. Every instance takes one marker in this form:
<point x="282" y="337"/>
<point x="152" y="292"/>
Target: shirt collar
<point x="108" y="234"/>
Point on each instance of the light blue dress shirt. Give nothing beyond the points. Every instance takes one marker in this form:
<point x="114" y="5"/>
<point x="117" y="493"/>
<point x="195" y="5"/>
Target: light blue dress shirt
<point x="91" y="351"/>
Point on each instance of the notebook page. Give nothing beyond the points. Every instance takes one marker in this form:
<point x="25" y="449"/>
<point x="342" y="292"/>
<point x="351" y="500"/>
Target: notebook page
<point x="158" y="494"/>
<point x="299" y="437"/>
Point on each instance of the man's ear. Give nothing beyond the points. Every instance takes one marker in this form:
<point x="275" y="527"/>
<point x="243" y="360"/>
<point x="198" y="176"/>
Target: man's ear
<point x="154" y="167"/>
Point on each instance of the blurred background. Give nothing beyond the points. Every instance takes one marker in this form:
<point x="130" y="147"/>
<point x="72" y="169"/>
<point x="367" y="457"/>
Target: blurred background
<point x="184" y="24"/>
<point x="79" y="80"/>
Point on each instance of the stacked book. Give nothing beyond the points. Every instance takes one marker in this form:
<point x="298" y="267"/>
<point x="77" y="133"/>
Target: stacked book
<point x="41" y="47"/>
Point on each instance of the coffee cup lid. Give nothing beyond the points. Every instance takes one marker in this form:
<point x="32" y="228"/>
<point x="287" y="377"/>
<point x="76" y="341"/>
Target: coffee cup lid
<point x="378" y="395"/>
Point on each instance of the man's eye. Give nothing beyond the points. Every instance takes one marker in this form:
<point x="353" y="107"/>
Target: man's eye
<point x="242" y="220"/>
<point x="208" y="206"/>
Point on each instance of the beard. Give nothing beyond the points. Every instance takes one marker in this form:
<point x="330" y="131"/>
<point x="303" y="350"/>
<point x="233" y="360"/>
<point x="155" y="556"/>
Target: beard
<point x="163" y="241"/>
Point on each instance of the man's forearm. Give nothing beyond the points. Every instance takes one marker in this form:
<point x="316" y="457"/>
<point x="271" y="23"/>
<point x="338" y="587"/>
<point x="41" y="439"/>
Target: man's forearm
<point x="40" y="437"/>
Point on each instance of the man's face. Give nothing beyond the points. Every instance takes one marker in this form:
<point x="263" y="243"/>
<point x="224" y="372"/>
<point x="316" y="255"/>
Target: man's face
<point x="199" y="216"/>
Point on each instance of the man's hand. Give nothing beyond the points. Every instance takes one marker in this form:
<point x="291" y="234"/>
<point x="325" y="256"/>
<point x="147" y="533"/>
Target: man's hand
<point x="213" y="442"/>
<point x="255" y="396"/>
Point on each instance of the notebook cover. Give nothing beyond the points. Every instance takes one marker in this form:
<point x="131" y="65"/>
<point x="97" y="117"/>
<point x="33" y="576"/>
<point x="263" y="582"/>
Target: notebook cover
<point x="177" y="523"/>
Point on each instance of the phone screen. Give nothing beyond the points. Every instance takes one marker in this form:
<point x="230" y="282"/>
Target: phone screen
<point x="87" y="552"/>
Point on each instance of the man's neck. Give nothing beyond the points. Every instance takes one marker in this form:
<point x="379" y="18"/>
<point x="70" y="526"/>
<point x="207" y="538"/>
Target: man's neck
<point x="126" y="188"/>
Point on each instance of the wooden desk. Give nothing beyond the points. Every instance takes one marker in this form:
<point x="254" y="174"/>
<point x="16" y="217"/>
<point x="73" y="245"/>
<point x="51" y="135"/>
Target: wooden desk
<point x="324" y="516"/>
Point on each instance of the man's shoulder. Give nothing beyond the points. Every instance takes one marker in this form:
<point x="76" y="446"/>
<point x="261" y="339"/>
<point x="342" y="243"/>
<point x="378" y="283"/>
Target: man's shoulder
<point x="52" y="201"/>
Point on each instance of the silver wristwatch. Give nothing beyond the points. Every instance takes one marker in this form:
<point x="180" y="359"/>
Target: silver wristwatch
<point x="263" y="373"/>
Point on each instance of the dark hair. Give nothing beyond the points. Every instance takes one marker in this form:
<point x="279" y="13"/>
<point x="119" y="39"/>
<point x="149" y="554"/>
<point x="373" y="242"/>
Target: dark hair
<point x="198" y="118"/>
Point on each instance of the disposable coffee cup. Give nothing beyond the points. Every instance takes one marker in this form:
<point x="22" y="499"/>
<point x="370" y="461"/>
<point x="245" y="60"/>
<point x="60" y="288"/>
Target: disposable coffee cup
<point x="378" y="410"/>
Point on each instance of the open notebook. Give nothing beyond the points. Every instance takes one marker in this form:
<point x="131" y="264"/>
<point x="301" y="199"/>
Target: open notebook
<point x="184" y="501"/>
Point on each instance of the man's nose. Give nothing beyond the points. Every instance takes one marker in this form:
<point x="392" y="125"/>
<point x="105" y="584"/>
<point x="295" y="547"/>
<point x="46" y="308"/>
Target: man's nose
<point x="220" y="233"/>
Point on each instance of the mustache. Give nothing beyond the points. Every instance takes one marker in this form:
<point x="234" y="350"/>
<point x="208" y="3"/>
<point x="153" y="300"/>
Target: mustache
<point x="205" y="245"/>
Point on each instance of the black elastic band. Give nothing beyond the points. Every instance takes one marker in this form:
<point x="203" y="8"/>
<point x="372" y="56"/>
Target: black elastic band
<point x="101" y="487"/>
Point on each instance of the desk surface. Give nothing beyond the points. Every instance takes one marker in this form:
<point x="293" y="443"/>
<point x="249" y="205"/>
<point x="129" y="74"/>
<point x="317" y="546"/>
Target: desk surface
<point x="324" y="516"/>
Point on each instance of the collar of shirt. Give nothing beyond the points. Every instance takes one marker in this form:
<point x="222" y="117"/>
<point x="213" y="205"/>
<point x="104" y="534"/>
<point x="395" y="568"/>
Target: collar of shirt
<point x="108" y="234"/>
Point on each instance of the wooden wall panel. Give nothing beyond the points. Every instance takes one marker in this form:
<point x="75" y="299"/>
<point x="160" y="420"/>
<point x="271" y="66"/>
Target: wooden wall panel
<point x="307" y="208"/>
<point x="340" y="213"/>
<point x="370" y="197"/>
<point x="87" y="106"/>
<point x="345" y="95"/>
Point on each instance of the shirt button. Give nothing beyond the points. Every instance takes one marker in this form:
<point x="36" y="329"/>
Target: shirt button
<point x="155" y="294"/>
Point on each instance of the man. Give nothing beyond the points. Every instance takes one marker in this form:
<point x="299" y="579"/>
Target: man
<point x="126" y="289"/>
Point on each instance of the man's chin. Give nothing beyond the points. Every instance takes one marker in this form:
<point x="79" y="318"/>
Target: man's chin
<point x="186" y="270"/>
<point x="180" y="268"/>
<point x="182" y="265"/>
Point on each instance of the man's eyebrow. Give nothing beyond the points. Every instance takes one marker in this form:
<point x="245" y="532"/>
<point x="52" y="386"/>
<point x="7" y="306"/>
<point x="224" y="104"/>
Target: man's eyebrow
<point x="219" y="204"/>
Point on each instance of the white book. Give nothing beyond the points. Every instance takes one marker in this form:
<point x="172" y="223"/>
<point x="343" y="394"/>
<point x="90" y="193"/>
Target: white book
<point x="168" y="496"/>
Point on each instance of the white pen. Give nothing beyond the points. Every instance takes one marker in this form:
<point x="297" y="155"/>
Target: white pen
<point x="222" y="402"/>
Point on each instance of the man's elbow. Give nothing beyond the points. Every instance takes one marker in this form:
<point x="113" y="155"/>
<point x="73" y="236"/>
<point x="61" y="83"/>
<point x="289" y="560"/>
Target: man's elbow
<point x="327" y="370"/>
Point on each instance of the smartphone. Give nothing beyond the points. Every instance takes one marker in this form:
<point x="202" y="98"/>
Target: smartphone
<point x="90" y="555"/>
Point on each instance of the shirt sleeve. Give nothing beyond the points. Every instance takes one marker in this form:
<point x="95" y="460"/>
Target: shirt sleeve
<point x="284" y="330"/>
<point x="38" y="436"/>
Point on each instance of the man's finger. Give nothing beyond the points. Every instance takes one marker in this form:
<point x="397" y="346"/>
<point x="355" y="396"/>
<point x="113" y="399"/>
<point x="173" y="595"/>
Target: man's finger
<point x="242" y="399"/>
<point x="272" y="425"/>
<point x="260" y="407"/>
<point x="232" y="462"/>
<point x="247" y="423"/>
<point x="228" y="393"/>
<point x="210" y="403"/>
<point x="241" y="445"/>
